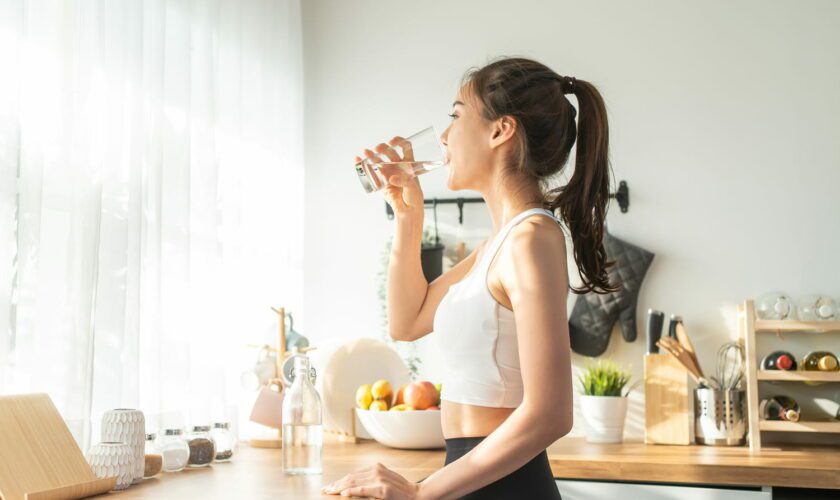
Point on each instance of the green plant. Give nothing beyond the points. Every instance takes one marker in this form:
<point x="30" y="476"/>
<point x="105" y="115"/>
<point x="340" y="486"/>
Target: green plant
<point x="604" y="378"/>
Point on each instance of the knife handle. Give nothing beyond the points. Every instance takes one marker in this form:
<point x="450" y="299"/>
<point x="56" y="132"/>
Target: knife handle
<point x="656" y="319"/>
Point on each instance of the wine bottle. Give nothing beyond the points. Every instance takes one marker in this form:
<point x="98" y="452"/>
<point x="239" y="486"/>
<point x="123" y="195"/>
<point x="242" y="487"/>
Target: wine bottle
<point x="822" y="361"/>
<point x="779" y="360"/>
<point x="780" y="408"/>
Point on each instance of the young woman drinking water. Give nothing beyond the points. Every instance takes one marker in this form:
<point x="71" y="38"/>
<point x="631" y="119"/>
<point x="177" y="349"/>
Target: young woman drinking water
<point x="499" y="315"/>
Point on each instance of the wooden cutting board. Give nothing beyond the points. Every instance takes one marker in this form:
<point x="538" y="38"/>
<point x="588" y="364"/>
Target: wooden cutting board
<point x="39" y="459"/>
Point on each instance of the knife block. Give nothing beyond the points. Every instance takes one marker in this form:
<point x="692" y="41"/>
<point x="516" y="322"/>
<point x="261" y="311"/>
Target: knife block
<point x="669" y="412"/>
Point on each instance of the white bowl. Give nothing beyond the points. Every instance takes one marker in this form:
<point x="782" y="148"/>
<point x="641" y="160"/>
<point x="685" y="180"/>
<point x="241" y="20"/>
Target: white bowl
<point x="414" y="429"/>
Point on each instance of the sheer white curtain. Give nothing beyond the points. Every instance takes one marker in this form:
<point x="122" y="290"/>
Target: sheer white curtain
<point x="150" y="200"/>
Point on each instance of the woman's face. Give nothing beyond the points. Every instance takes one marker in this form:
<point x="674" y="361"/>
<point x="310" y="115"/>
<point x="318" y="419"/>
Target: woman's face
<point x="467" y="142"/>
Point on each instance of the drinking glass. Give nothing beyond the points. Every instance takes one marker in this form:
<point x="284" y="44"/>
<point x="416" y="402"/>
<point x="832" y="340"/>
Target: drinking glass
<point x="421" y="152"/>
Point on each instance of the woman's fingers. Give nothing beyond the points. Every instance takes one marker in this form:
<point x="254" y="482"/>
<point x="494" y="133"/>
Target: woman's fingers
<point x="375" y="491"/>
<point x="388" y="151"/>
<point x="408" y="152"/>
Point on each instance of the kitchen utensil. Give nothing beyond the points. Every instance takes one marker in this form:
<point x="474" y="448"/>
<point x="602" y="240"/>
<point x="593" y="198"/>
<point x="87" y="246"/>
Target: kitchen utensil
<point x="673" y="347"/>
<point x="655" y="322"/>
<point x="682" y="338"/>
<point x="417" y="429"/>
<point x="672" y="325"/>
<point x="719" y="417"/>
<point x="730" y="365"/>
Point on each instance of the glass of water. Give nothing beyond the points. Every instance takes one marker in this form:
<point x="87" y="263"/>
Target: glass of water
<point x="419" y="153"/>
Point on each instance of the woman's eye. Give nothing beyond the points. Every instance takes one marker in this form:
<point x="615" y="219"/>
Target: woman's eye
<point x="453" y="116"/>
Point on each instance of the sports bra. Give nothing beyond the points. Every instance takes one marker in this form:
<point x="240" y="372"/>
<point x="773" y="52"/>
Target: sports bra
<point x="476" y="336"/>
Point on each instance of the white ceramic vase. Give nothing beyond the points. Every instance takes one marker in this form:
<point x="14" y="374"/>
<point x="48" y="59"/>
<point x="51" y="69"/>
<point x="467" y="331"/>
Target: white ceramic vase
<point x="604" y="418"/>
<point x="113" y="460"/>
<point x="127" y="426"/>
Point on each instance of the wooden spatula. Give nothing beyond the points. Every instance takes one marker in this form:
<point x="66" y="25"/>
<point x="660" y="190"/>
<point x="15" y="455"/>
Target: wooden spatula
<point x="682" y="337"/>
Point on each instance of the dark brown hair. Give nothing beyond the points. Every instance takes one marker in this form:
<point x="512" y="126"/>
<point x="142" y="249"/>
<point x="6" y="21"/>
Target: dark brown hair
<point x="535" y="96"/>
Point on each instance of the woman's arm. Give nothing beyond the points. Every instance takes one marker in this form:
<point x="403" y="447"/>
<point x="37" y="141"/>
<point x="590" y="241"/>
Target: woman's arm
<point x="412" y="301"/>
<point x="536" y="282"/>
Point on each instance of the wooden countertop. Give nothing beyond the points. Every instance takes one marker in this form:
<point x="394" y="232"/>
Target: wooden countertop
<point x="257" y="473"/>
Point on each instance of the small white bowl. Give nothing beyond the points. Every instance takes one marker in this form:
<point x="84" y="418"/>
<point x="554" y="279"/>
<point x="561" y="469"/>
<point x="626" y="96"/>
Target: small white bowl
<point x="414" y="429"/>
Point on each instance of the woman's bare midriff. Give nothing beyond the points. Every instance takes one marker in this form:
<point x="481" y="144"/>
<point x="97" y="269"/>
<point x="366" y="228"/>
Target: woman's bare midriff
<point x="463" y="420"/>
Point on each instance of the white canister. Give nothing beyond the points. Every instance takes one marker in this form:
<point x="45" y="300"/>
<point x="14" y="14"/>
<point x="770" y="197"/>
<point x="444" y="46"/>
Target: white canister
<point x="113" y="460"/>
<point x="127" y="426"/>
<point x="604" y="418"/>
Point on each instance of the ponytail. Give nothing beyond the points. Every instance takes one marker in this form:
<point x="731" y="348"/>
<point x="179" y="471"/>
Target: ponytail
<point x="583" y="201"/>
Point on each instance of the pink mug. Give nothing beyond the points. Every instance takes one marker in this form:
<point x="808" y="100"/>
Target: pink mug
<point x="268" y="408"/>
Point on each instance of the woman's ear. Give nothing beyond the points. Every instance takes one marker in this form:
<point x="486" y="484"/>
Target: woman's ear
<point x="503" y="129"/>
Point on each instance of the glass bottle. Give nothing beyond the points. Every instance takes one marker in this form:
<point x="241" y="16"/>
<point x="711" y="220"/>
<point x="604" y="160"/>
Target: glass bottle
<point x="780" y="408"/>
<point x="303" y="440"/>
<point x="202" y="449"/>
<point x="223" y="439"/>
<point x="779" y="360"/>
<point x="823" y="361"/>
<point x="174" y="450"/>
<point x="817" y="308"/>
<point x="774" y="305"/>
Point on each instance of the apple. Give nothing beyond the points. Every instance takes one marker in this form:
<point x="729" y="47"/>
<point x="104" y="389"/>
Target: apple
<point x="433" y="408"/>
<point x="420" y="395"/>
<point x="399" y="399"/>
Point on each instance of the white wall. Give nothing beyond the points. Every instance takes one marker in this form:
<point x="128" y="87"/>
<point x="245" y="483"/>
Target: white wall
<point x="724" y="122"/>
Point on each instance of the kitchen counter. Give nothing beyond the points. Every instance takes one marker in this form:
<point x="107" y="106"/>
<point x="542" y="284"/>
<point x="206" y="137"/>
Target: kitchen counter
<point x="257" y="473"/>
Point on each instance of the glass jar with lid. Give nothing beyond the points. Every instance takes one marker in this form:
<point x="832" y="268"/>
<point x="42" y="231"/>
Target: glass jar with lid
<point x="174" y="450"/>
<point x="224" y="441"/>
<point x="154" y="461"/>
<point x="202" y="449"/>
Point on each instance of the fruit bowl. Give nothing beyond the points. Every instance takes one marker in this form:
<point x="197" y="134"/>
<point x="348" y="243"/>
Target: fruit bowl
<point x="415" y="429"/>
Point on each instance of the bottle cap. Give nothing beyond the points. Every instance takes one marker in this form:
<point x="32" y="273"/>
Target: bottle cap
<point x="784" y="362"/>
<point x="827" y="364"/>
<point x="791" y="415"/>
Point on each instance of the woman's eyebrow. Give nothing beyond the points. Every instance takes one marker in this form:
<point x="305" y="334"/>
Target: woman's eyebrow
<point x="457" y="103"/>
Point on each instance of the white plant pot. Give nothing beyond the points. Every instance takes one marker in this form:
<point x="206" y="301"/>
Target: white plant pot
<point x="127" y="426"/>
<point x="113" y="460"/>
<point x="604" y="418"/>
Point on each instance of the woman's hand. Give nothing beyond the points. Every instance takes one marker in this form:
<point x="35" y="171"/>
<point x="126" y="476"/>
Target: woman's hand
<point x="402" y="191"/>
<point x="377" y="481"/>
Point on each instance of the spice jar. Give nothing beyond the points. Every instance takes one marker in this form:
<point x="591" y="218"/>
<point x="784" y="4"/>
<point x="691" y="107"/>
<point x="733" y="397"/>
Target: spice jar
<point x="202" y="449"/>
<point x="154" y="460"/>
<point x="222" y="437"/>
<point x="174" y="450"/>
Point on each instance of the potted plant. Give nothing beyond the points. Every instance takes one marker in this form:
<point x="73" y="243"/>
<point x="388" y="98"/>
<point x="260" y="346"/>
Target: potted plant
<point x="603" y="401"/>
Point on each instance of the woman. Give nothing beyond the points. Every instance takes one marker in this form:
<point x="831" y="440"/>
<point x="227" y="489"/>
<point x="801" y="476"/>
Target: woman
<point x="500" y="314"/>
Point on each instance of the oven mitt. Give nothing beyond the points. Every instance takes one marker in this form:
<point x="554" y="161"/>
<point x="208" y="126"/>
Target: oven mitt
<point x="594" y="315"/>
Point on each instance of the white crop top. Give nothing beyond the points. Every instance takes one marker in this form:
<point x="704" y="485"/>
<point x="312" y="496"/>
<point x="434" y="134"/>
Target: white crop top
<point x="476" y="336"/>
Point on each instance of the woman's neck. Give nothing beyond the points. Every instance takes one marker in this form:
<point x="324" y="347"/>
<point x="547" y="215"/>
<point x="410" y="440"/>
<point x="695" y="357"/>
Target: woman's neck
<point x="506" y="202"/>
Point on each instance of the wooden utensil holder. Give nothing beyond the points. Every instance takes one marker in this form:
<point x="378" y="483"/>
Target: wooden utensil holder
<point x="669" y="412"/>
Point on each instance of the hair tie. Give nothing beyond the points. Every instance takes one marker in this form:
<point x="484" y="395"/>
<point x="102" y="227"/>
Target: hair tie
<point x="569" y="84"/>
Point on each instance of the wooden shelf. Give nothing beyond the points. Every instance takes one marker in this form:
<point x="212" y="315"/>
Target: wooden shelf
<point x="794" y="326"/>
<point x="748" y="327"/>
<point x="801" y="426"/>
<point x="798" y="376"/>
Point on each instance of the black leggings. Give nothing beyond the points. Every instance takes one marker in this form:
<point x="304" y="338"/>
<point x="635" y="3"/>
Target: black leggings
<point x="533" y="480"/>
